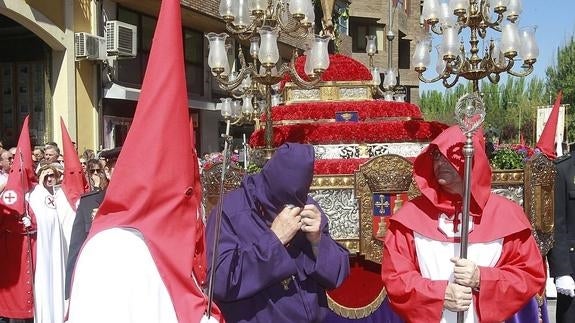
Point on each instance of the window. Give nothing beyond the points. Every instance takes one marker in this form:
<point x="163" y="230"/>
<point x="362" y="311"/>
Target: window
<point x="404" y="54"/>
<point x="131" y="71"/>
<point x="194" y="61"/>
<point x="361" y="28"/>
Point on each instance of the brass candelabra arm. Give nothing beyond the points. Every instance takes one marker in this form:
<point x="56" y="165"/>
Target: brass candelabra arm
<point x="422" y="78"/>
<point x="448" y="84"/>
<point x="500" y="68"/>
<point x="314" y="79"/>
<point x="451" y="68"/>
<point x="238" y="94"/>
<point x="307" y="85"/>
<point x="495" y="25"/>
<point x="294" y="26"/>
<point x="243" y="32"/>
<point x="526" y="69"/>
<point x="226" y="84"/>
<point x="268" y="78"/>
<point x="254" y="90"/>
<point x="245" y="118"/>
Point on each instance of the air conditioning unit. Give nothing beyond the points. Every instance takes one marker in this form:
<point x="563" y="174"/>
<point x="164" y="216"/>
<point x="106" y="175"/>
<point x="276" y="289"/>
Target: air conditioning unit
<point x="88" y="46"/>
<point x="121" y="39"/>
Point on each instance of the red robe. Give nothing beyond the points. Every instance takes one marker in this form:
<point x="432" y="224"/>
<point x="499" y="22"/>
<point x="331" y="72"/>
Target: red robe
<point x="516" y="276"/>
<point x="16" y="271"/>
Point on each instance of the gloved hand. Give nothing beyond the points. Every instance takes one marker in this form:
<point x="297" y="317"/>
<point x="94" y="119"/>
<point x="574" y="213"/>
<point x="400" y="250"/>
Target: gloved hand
<point x="457" y="297"/>
<point x="565" y="285"/>
<point x="27" y="222"/>
<point x="465" y="272"/>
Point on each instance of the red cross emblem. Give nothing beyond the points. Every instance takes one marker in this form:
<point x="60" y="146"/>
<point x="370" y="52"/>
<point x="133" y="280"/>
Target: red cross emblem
<point x="451" y="227"/>
<point x="9" y="197"/>
<point x="456" y="222"/>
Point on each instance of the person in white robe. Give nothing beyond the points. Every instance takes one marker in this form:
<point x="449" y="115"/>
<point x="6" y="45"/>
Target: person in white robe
<point x="120" y="255"/>
<point x="50" y="252"/>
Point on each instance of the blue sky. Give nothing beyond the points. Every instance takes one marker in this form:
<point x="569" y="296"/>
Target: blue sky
<point x="555" y="21"/>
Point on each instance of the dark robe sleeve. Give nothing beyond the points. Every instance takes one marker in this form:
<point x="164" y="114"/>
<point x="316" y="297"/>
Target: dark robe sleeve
<point x="80" y="229"/>
<point x="331" y="266"/>
<point x="245" y="267"/>
<point x="559" y="254"/>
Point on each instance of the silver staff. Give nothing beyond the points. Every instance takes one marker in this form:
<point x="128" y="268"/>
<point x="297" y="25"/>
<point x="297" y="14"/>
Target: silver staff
<point x="218" y="215"/>
<point x="469" y="113"/>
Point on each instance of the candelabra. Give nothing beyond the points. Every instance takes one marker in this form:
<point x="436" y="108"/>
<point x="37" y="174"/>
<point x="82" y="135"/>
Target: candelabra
<point x="268" y="19"/>
<point x="390" y="78"/>
<point x="477" y="16"/>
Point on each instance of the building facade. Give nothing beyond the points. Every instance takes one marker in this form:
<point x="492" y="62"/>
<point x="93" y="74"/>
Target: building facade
<point x="402" y="18"/>
<point x="42" y="75"/>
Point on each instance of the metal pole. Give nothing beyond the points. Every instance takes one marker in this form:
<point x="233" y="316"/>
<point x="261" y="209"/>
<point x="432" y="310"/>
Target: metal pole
<point x="29" y="233"/>
<point x="520" y="119"/>
<point x="269" y="130"/>
<point x="390" y="35"/>
<point x="218" y="216"/>
<point x="468" y="154"/>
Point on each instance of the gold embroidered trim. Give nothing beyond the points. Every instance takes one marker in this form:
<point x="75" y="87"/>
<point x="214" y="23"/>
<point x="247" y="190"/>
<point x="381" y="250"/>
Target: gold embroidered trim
<point x="356" y="312"/>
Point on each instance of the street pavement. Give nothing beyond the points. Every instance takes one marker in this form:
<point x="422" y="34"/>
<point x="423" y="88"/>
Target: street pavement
<point x="551" y="303"/>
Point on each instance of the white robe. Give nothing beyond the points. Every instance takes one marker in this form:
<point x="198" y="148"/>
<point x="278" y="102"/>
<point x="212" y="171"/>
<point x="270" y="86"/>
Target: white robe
<point x="50" y="259"/>
<point x="66" y="214"/>
<point x="432" y="256"/>
<point x="116" y="280"/>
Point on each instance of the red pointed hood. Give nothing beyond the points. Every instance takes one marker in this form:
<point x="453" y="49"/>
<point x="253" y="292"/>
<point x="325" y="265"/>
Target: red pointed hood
<point x="162" y="207"/>
<point x="21" y="178"/>
<point x="450" y="143"/>
<point x="200" y="260"/>
<point x="546" y="143"/>
<point x="74" y="183"/>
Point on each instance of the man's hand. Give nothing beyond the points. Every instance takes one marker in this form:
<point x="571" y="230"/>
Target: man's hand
<point x="287" y="223"/>
<point x="565" y="285"/>
<point x="457" y="297"/>
<point x="465" y="272"/>
<point x="311" y="219"/>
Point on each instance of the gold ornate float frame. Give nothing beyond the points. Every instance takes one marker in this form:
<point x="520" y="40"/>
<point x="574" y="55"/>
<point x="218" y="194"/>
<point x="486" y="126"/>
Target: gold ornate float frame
<point x="392" y="174"/>
<point x="330" y="91"/>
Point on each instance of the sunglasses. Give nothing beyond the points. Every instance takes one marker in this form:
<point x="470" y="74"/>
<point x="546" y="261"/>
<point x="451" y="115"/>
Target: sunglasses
<point x="95" y="170"/>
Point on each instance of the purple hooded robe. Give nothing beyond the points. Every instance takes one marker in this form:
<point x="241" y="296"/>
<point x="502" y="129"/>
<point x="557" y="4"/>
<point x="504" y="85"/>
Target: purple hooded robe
<point x="258" y="279"/>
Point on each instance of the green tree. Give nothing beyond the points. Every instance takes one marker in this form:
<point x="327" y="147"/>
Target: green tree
<point x="510" y="106"/>
<point x="562" y="77"/>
